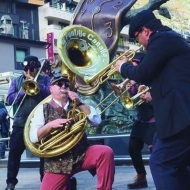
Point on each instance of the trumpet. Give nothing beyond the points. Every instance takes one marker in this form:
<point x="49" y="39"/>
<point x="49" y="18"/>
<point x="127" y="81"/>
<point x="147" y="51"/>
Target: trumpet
<point x="129" y="103"/>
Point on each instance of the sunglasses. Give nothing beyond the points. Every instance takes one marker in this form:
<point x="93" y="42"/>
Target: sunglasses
<point x="60" y="83"/>
<point x="31" y="69"/>
<point x="137" y="35"/>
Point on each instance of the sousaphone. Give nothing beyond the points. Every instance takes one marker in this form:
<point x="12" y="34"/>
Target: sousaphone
<point x="84" y="53"/>
<point x="60" y="140"/>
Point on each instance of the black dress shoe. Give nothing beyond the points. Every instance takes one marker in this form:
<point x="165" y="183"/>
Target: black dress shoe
<point x="73" y="183"/>
<point x="139" y="182"/>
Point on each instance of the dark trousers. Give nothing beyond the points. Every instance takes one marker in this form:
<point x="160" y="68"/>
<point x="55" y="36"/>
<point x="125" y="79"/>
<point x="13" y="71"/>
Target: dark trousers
<point x="135" y="148"/>
<point x="170" y="161"/>
<point x="41" y="169"/>
<point x="2" y="148"/>
<point x="142" y="133"/>
<point x="17" y="147"/>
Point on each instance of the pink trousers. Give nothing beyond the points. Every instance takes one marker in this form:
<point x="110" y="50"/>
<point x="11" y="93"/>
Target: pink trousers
<point x="98" y="157"/>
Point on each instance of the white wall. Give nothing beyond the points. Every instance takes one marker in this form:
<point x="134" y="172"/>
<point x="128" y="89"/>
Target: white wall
<point x="7" y="57"/>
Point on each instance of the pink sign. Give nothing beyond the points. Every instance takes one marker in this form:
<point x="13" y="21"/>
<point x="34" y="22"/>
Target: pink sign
<point x="50" y="39"/>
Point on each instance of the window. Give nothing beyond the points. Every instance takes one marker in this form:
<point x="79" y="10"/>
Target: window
<point x="62" y="25"/>
<point x="20" y="54"/>
<point x="50" y="22"/>
<point x="121" y="42"/>
<point x="6" y="7"/>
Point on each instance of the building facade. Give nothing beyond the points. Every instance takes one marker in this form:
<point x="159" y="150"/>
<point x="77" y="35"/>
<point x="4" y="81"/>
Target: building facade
<point x="55" y="15"/>
<point x="19" y="33"/>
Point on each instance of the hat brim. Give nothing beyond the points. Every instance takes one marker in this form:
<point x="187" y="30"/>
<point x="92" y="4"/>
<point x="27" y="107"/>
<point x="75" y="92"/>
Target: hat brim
<point x="54" y="80"/>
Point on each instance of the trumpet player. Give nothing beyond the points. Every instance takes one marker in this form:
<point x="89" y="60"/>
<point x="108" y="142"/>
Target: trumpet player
<point x="16" y="95"/>
<point x="142" y="131"/>
<point x="166" y="67"/>
<point x="98" y="159"/>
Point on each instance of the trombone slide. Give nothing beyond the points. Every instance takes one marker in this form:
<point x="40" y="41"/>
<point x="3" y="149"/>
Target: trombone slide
<point x="109" y="70"/>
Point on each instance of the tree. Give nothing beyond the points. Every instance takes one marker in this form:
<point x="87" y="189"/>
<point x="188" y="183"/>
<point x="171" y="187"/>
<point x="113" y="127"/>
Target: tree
<point x="150" y="5"/>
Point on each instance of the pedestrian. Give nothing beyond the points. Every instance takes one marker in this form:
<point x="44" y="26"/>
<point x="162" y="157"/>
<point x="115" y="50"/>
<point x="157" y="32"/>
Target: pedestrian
<point x="142" y="130"/>
<point x="4" y="128"/>
<point x="98" y="159"/>
<point x="27" y="103"/>
<point x="166" y="67"/>
<point x="46" y="69"/>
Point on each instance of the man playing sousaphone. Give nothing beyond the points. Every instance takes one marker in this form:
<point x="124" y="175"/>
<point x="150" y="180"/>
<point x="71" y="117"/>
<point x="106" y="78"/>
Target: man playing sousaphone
<point x="25" y="103"/>
<point x="53" y="116"/>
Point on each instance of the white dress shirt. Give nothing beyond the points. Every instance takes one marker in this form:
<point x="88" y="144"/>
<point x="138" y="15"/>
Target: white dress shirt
<point x="38" y="120"/>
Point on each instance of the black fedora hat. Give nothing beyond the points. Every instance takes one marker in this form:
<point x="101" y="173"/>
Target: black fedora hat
<point x="31" y="61"/>
<point x="139" y="20"/>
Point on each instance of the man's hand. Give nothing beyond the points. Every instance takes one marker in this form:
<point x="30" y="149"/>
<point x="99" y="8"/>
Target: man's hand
<point x="58" y="123"/>
<point x="145" y="96"/>
<point x="73" y="96"/>
<point x="119" y="63"/>
<point x="130" y="84"/>
<point x="28" y="76"/>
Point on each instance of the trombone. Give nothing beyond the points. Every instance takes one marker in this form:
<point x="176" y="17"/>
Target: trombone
<point x="117" y="89"/>
<point x="30" y="87"/>
<point x="129" y="103"/>
<point x="109" y="70"/>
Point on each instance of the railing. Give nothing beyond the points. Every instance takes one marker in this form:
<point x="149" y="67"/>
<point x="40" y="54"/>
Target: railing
<point x="118" y="158"/>
<point x="62" y="7"/>
<point x="5" y="139"/>
<point x="108" y="136"/>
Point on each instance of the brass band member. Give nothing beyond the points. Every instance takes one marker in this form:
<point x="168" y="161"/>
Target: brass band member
<point x="142" y="131"/>
<point x="59" y="169"/>
<point x="166" y="67"/>
<point x="17" y="146"/>
<point x="46" y="69"/>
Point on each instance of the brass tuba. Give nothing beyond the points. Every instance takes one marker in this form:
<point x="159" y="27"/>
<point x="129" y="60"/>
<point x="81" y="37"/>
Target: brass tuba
<point x="60" y="140"/>
<point x="86" y="55"/>
<point x="83" y="52"/>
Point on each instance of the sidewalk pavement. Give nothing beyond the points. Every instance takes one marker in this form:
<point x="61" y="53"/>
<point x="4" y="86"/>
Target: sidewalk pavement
<point x="29" y="179"/>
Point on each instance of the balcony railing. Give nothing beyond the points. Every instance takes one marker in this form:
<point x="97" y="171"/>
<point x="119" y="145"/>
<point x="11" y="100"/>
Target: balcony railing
<point x="57" y="13"/>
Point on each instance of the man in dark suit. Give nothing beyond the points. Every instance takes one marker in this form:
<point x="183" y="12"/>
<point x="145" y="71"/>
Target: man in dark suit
<point x="166" y="67"/>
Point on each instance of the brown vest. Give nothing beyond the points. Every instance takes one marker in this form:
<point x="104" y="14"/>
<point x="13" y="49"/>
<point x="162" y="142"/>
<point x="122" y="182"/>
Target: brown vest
<point x="70" y="160"/>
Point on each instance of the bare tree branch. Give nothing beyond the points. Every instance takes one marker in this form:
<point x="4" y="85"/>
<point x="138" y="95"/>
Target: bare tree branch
<point x="151" y="5"/>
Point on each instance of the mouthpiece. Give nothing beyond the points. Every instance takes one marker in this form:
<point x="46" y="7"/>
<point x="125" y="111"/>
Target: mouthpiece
<point x="64" y="91"/>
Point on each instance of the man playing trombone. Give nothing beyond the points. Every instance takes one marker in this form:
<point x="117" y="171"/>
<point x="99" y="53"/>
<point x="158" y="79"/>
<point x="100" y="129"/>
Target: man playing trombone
<point x="25" y="104"/>
<point x="143" y="128"/>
